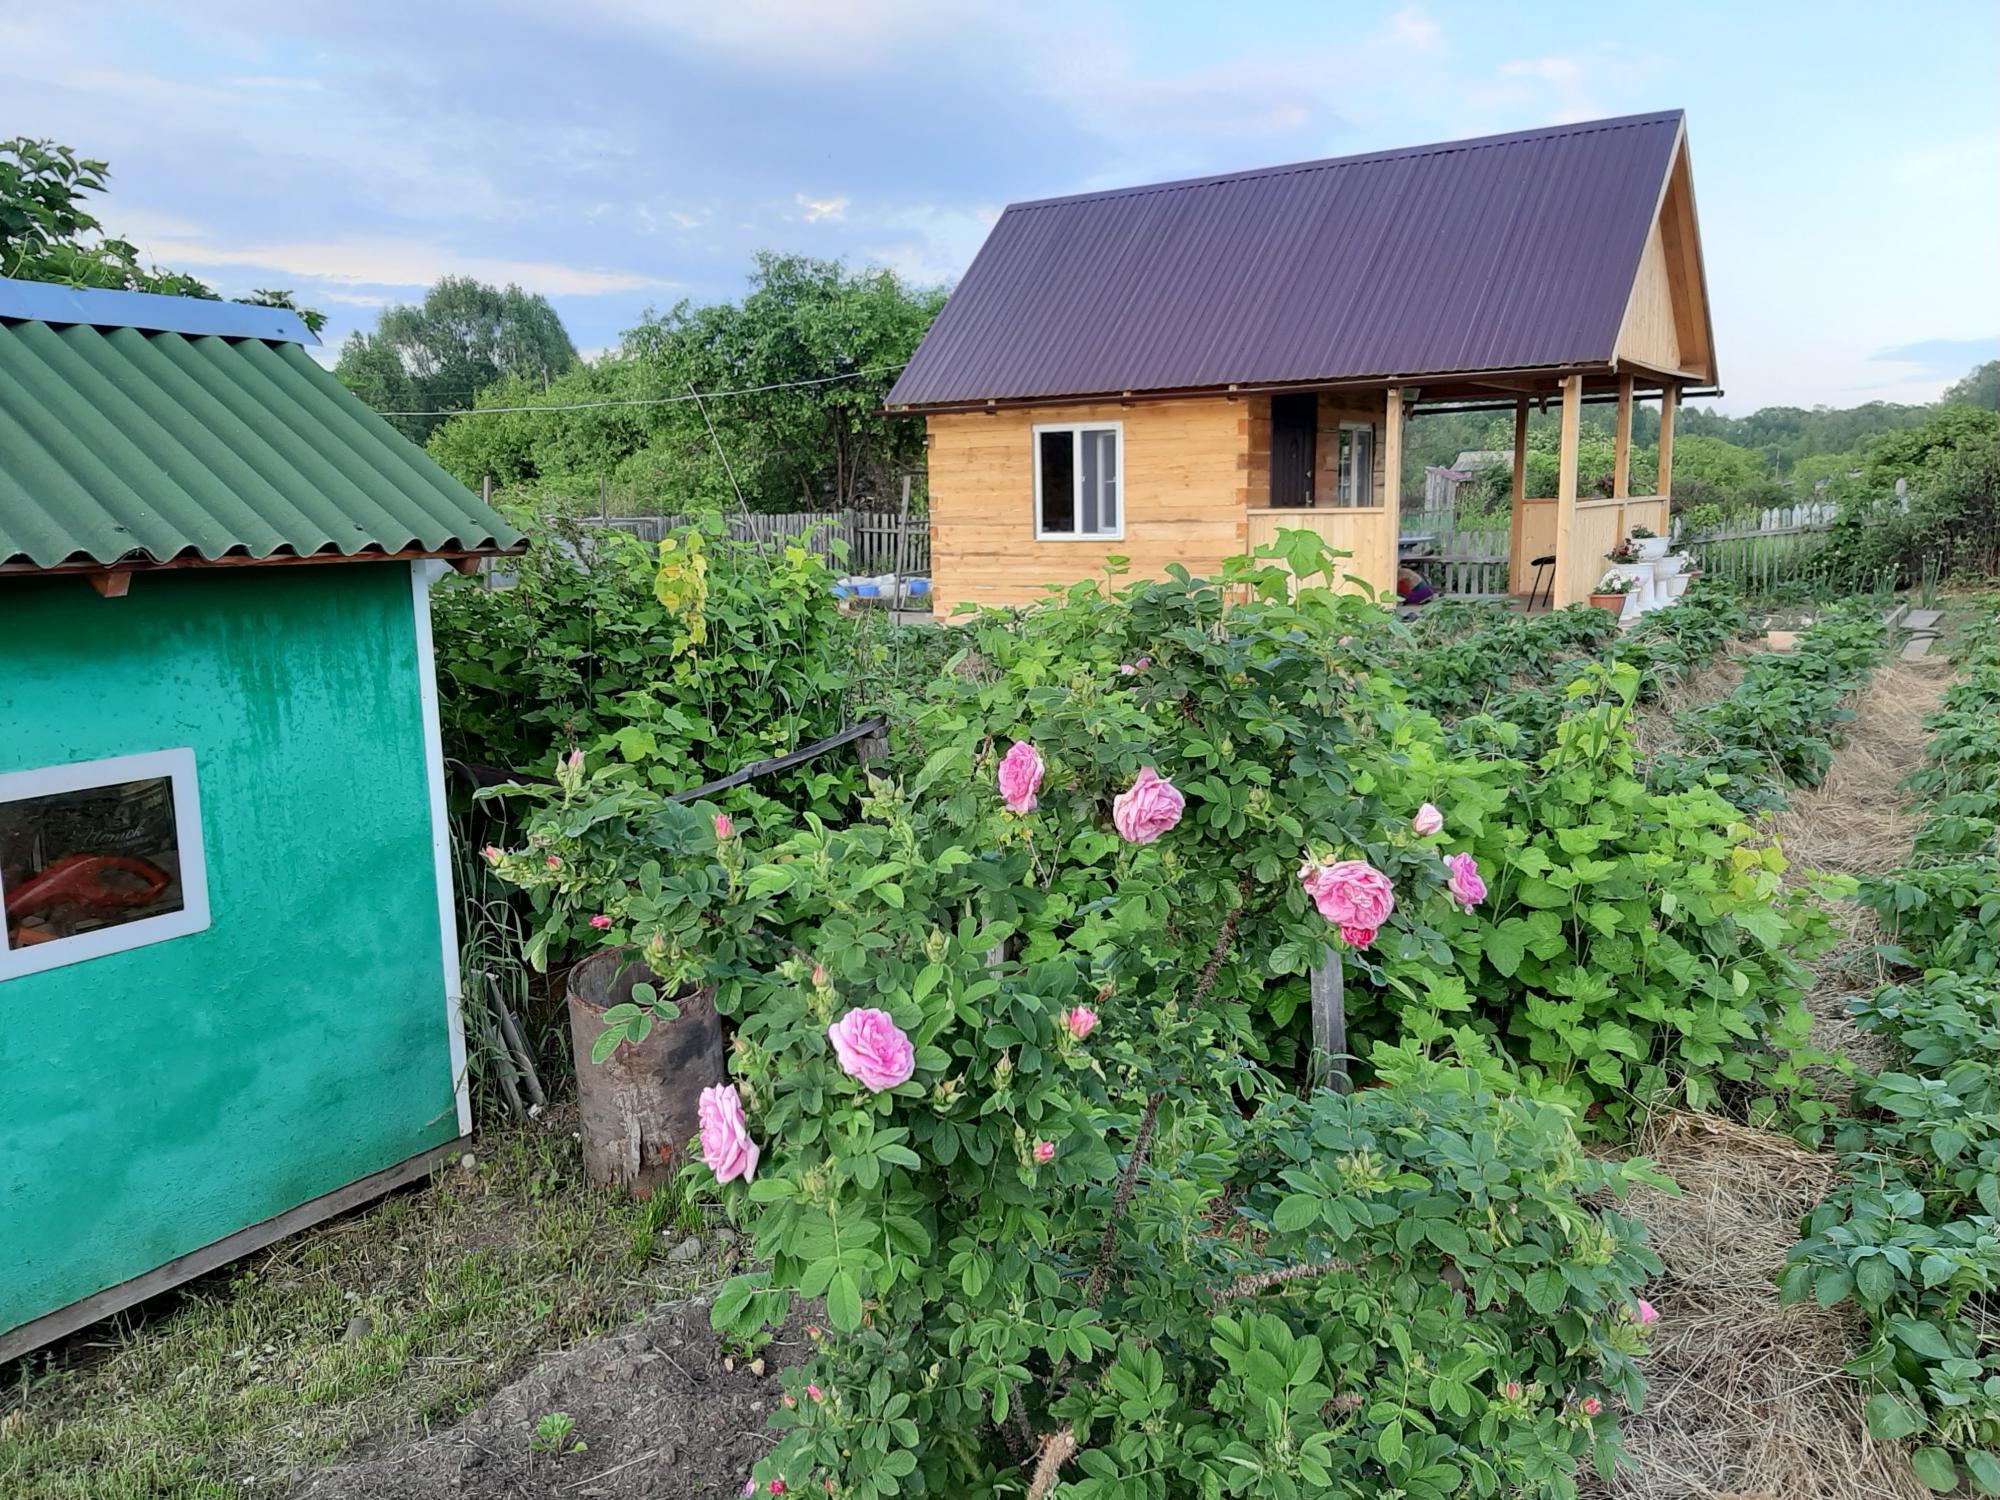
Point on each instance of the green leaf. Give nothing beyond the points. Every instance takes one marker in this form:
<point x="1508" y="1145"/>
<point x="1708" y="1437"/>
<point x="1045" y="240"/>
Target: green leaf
<point x="1983" y="1469"/>
<point x="843" y="1302"/>
<point x="1546" y="1290"/>
<point x="1934" y="1467"/>
<point x="1922" y="1337"/>
<point x="1295" y="1211"/>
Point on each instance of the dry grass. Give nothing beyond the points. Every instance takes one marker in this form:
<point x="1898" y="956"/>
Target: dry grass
<point x="1748" y="1400"/>
<point x="1652" y="725"/>
<point x="1745" y="1398"/>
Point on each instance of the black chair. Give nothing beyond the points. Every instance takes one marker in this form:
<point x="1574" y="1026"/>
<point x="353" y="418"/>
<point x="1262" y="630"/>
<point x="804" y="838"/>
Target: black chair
<point x="1546" y="562"/>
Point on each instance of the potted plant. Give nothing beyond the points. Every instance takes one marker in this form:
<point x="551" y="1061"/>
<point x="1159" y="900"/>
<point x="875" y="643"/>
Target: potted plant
<point x="1647" y="544"/>
<point x="652" y="884"/>
<point x="1624" y="554"/>
<point x="1611" y="591"/>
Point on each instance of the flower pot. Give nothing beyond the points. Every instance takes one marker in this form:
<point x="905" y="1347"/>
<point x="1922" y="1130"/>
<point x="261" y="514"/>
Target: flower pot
<point x="1613" y="602"/>
<point x="638" y="1109"/>
<point x="1650" y="548"/>
<point x="1672" y="565"/>
<point x="1672" y="588"/>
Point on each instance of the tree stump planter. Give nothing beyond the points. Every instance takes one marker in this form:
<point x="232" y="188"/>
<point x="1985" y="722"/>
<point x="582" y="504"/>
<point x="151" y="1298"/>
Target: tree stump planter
<point x="638" y="1109"/>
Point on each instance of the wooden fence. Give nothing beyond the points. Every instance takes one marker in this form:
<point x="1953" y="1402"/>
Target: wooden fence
<point x="873" y="542"/>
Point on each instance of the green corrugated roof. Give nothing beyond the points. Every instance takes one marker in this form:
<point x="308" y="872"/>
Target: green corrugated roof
<point x="121" y="444"/>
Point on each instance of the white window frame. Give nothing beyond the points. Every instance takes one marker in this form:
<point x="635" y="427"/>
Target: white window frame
<point x="1117" y="430"/>
<point x="80" y="776"/>
<point x="1367" y="501"/>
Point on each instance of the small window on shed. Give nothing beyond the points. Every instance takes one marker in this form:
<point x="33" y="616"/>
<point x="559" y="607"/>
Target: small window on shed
<point x="97" y="857"/>
<point x="1078" y="472"/>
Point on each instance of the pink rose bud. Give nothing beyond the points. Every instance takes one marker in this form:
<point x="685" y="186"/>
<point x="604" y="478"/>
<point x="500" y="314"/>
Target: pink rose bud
<point x="1350" y="893"/>
<point x="1045" y="1152"/>
<point x="749" y="1486"/>
<point x="1467" y="889"/>
<point x="872" y="1048"/>
<point x="723" y="827"/>
<point x="1427" y="821"/>
<point x="600" y="921"/>
<point x="1591" y="1406"/>
<point x="788" y="1401"/>
<point x="812" y="1330"/>
<point x="1148" y="808"/>
<point x="776" y="1486"/>
<point x="1357" y="937"/>
<point x="492" y="853"/>
<point x="1020" y="777"/>
<point x="813" y="1390"/>
<point x="1082" y="1021"/>
<point x="1128" y="668"/>
<point x="726" y="1147"/>
<point x="1648" y="1314"/>
<point x="554" y="863"/>
<point x="1511" y="1390"/>
<point x="819" y="976"/>
<point x="576" y="760"/>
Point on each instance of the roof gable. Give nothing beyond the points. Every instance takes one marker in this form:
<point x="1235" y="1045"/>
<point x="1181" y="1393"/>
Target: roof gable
<point x="137" y="443"/>
<point x="1503" y="253"/>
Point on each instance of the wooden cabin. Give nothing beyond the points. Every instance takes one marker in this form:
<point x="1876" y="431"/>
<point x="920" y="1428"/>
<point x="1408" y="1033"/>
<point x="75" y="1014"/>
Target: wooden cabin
<point x="1174" y="373"/>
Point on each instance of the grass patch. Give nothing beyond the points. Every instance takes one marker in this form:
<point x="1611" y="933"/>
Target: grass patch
<point x="395" y="1319"/>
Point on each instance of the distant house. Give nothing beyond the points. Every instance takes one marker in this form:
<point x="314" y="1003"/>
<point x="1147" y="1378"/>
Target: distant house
<point x="1174" y="372"/>
<point x="228" y="964"/>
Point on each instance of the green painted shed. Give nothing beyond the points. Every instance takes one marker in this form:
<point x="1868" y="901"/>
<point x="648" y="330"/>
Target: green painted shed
<point x="228" y="970"/>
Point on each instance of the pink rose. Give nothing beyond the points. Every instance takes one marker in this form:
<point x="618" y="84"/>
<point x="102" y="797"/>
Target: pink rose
<point x="723" y="827"/>
<point x="1148" y="809"/>
<point x="726" y="1147"/>
<point x="1020" y="777"/>
<point x="1591" y="1406"/>
<point x="1357" y="937"/>
<point x="1045" y="1152"/>
<point x="1350" y="893"/>
<point x="776" y="1486"/>
<point x="1127" y="668"/>
<point x="600" y="921"/>
<point x="554" y="863"/>
<point x="1427" y="821"/>
<point x="1082" y="1020"/>
<point x="1467" y="889"/>
<point x="872" y="1048"/>
<point x="813" y="1390"/>
<point x="1648" y="1314"/>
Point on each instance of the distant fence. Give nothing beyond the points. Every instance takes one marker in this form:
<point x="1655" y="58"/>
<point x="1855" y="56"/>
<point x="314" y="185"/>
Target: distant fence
<point x="874" y="542"/>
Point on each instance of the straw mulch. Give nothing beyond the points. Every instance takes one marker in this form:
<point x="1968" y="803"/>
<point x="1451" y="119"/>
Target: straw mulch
<point x="1747" y="1400"/>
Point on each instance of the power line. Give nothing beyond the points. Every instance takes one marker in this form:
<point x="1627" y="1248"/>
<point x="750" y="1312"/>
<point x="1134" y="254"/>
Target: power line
<point x="690" y="395"/>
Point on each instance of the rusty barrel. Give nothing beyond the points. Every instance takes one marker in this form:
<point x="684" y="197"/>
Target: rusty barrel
<point x="639" y="1107"/>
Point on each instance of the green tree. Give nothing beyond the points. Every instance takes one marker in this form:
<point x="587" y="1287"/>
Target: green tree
<point x="1980" y="388"/>
<point x="46" y="234"/>
<point x="438" y="355"/>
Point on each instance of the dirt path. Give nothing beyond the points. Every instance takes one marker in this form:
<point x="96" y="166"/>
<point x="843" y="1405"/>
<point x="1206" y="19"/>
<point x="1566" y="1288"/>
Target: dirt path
<point x="1747" y="1399"/>
<point x="659" y="1413"/>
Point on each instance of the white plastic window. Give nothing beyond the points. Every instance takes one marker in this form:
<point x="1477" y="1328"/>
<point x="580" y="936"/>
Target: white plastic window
<point x="1079" y="470"/>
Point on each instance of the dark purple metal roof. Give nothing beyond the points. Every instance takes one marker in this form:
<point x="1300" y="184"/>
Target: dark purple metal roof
<point x="1506" y="252"/>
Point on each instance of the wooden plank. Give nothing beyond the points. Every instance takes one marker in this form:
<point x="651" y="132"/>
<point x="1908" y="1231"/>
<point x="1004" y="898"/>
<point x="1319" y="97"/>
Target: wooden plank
<point x="1663" y="483"/>
<point x="1379" y="565"/>
<point x="1621" y="441"/>
<point x="1567" y="571"/>
<point x="113" y="1299"/>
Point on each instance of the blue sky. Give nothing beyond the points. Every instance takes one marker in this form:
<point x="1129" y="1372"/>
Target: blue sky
<point x="616" y="154"/>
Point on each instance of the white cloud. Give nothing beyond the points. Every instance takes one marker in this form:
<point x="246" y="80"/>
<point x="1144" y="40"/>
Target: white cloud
<point x="1411" y="27"/>
<point x="393" y="261"/>
<point x="816" y="209"/>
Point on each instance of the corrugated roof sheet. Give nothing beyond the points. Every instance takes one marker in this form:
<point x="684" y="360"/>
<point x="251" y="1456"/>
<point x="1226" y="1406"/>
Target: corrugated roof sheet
<point x="1507" y="252"/>
<point x="121" y="444"/>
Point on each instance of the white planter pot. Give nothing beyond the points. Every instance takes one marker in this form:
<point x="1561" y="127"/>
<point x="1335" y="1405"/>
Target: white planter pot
<point x="1672" y="566"/>
<point x="1650" y="548"/>
<point x="1673" y="587"/>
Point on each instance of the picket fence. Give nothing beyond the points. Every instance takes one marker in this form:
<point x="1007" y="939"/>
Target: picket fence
<point x="871" y="542"/>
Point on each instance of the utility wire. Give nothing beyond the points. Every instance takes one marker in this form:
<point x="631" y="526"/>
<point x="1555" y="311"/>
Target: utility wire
<point x="689" y="395"/>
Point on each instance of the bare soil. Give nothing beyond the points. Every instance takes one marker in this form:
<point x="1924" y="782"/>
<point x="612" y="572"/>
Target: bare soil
<point x="662" y="1411"/>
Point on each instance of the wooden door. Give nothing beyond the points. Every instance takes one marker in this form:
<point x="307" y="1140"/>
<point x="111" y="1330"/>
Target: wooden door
<point x="1294" y="436"/>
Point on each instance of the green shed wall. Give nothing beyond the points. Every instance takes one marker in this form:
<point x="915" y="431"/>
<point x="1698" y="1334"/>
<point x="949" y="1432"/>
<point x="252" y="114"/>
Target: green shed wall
<point x="154" y="1100"/>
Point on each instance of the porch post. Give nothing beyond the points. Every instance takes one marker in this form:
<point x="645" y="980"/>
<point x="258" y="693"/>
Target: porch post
<point x="1621" y="443"/>
<point x="1381" y="569"/>
<point x="1518" y="570"/>
<point x="1670" y="396"/>
<point x="1568" y="590"/>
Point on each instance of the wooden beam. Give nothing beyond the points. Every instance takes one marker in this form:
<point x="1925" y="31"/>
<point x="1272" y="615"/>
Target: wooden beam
<point x="1670" y="396"/>
<point x="1572" y="412"/>
<point x="1520" y="451"/>
<point x="1392" y="489"/>
<point x="1621" y="441"/>
<point x="112" y="583"/>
